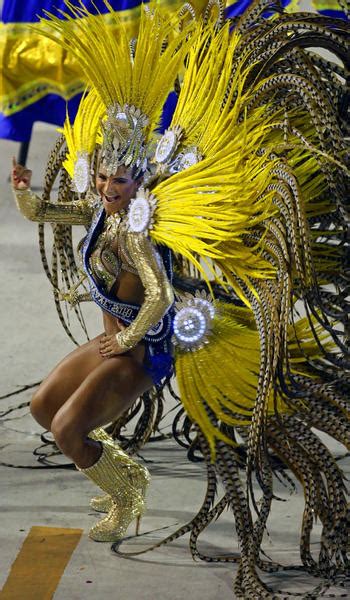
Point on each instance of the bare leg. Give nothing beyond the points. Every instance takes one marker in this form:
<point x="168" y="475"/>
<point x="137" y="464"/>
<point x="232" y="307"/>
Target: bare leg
<point x="104" y="394"/>
<point x="63" y="380"/>
<point x="82" y="393"/>
<point x="86" y="391"/>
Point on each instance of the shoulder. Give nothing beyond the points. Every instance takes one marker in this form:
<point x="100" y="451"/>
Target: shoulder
<point x="139" y="239"/>
<point x="142" y="249"/>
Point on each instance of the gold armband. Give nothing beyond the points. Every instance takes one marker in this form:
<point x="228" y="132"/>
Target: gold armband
<point x="35" y="209"/>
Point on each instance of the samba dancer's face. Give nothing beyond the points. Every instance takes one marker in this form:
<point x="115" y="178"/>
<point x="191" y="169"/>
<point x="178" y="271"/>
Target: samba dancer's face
<point x="116" y="190"/>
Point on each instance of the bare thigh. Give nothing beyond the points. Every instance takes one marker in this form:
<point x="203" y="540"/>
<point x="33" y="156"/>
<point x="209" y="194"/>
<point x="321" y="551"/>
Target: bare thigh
<point x="66" y="378"/>
<point x="63" y="380"/>
<point x="104" y="394"/>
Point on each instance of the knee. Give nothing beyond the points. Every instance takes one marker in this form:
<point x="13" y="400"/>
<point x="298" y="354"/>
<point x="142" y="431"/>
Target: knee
<point x="66" y="436"/>
<point x="39" y="409"/>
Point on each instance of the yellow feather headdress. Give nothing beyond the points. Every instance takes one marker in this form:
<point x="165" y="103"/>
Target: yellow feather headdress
<point x="128" y="81"/>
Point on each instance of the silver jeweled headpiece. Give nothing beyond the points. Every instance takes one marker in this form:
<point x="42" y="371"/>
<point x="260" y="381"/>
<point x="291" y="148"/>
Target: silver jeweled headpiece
<point x="123" y="139"/>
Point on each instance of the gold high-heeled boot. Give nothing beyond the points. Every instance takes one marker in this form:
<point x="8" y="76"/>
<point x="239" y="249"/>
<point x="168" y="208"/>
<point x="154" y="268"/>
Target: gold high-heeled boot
<point x="102" y="503"/>
<point x="126" y="482"/>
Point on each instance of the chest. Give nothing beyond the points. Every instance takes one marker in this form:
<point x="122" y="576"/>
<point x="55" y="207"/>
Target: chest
<point x="109" y="255"/>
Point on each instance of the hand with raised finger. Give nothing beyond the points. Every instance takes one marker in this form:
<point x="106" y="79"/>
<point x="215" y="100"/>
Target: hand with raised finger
<point x="20" y="176"/>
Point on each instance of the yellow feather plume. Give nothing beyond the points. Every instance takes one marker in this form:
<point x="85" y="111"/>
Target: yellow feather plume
<point x="144" y="79"/>
<point x="222" y="376"/>
<point x="81" y="137"/>
<point x="211" y="208"/>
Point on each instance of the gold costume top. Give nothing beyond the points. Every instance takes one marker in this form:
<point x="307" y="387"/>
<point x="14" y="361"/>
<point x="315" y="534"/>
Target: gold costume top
<point x="115" y="250"/>
<point x="109" y="255"/>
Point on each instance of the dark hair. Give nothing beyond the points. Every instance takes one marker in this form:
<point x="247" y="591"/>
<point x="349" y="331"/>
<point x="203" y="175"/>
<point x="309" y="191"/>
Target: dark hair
<point x="134" y="170"/>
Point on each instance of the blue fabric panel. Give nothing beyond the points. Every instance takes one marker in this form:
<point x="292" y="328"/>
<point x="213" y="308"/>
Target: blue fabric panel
<point x="334" y="14"/>
<point x="237" y="8"/>
<point x="50" y="109"/>
<point x="168" y="111"/>
<point x="27" y="11"/>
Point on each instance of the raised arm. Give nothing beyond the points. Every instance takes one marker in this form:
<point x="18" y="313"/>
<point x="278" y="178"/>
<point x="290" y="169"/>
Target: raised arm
<point x="35" y="209"/>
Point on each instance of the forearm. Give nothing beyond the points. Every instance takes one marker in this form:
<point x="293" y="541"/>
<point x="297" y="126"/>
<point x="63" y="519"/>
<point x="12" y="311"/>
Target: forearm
<point x="158" y="292"/>
<point x="35" y="209"/>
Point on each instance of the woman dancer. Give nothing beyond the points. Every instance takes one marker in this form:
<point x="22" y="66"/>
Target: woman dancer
<point x="99" y="381"/>
<point x="247" y="188"/>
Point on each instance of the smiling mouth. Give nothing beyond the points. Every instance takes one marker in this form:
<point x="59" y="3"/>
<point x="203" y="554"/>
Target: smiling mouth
<point x="111" y="198"/>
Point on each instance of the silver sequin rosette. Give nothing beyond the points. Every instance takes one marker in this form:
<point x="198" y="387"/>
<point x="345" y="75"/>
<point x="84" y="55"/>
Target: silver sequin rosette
<point x="81" y="176"/>
<point x="167" y="145"/>
<point x="168" y="158"/>
<point x="140" y="213"/>
<point x="193" y="321"/>
<point x="188" y="158"/>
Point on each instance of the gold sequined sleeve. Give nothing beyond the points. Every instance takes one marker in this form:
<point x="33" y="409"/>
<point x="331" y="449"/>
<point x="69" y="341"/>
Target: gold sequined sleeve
<point x="158" y="291"/>
<point x="35" y="209"/>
